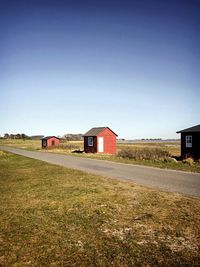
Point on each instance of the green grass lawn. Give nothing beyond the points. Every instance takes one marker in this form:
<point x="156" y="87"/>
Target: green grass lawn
<point x="54" y="216"/>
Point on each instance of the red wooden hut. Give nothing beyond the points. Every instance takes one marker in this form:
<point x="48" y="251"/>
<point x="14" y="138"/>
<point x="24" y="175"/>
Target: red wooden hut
<point x="100" y="140"/>
<point x="190" y="142"/>
<point x="50" y="141"/>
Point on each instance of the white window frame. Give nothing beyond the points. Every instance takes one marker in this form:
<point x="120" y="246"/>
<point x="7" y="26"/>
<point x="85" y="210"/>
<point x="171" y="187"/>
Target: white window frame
<point x="188" y="141"/>
<point x="90" y="141"/>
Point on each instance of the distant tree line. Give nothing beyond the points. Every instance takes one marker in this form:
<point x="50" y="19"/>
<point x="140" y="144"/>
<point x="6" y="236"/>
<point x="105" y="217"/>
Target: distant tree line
<point x="16" y="136"/>
<point x="151" y="139"/>
<point x="68" y="137"/>
<point x="72" y="137"/>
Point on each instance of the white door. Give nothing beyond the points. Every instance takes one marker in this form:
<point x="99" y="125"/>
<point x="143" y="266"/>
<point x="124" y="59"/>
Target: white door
<point x="100" y="144"/>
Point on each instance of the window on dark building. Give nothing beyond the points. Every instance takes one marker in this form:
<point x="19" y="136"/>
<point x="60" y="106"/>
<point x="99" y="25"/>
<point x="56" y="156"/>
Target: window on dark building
<point x="44" y="143"/>
<point x="90" y="141"/>
<point x="188" y="141"/>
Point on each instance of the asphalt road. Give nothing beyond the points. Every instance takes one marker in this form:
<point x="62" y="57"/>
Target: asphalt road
<point x="168" y="180"/>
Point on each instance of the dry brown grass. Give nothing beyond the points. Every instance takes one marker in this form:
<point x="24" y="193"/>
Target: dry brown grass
<point x="53" y="216"/>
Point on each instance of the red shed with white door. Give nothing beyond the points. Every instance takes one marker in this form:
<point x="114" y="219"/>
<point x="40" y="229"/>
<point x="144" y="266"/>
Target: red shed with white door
<point x="50" y="141"/>
<point x="100" y="140"/>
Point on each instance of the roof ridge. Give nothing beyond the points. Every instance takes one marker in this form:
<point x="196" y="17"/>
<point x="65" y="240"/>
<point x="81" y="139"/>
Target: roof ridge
<point x="195" y="128"/>
<point x="96" y="130"/>
<point x="50" y="136"/>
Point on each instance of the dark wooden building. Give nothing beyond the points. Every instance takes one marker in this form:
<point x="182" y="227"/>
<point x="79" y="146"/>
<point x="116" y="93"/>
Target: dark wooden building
<point x="100" y="140"/>
<point x="50" y="141"/>
<point x="190" y="142"/>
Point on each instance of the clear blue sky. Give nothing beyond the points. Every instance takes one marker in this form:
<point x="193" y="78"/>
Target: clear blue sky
<point x="68" y="66"/>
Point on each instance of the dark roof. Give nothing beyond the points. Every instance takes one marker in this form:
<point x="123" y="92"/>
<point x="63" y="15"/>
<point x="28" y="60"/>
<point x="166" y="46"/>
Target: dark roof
<point x="95" y="131"/>
<point x="193" y="129"/>
<point x="49" y="137"/>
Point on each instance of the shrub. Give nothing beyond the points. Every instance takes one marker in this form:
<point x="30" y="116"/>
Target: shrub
<point x="127" y="153"/>
<point x="143" y="154"/>
<point x="170" y="160"/>
<point x="2" y="153"/>
<point x="69" y="146"/>
<point x="188" y="161"/>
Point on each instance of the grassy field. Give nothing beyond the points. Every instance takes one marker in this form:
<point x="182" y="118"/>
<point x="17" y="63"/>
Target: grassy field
<point x="69" y="146"/>
<point x="20" y="143"/>
<point x="53" y="216"/>
<point x="173" y="148"/>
